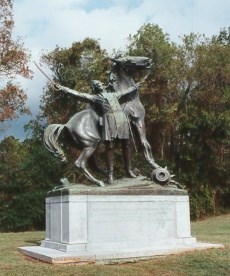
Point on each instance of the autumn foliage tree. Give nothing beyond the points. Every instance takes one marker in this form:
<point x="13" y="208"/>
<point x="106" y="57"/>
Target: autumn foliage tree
<point x="13" y="62"/>
<point x="158" y="94"/>
<point x="187" y="100"/>
<point x="74" y="67"/>
<point x="186" y="96"/>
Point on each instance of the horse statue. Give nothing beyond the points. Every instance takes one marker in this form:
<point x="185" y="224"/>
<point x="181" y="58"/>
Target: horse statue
<point x="84" y="129"/>
<point x="120" y="78"/>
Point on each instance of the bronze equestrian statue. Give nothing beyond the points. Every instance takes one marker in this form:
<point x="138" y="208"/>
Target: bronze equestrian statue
<point x="85" y="126"/>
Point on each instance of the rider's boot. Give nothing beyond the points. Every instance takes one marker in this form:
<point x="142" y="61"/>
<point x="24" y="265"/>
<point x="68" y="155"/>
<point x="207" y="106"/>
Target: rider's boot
<point x="127" y="158"/>
<point x="109" y="161"/>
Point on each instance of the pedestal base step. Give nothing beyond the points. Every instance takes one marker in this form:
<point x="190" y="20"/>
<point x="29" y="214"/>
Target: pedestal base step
<point x="107" y="257"/>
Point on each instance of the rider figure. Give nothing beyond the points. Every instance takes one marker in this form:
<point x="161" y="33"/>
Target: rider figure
<point x="114" y="125"/>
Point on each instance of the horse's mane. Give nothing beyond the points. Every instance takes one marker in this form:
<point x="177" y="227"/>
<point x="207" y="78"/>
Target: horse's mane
<point x="119" y="78"/>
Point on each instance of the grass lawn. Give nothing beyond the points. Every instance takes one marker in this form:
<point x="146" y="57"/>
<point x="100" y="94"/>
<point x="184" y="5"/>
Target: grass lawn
<point x="214" y="262"/>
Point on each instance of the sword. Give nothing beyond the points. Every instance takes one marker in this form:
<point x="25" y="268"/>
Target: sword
<point x="49" y="79"/>
<point x="131" y="132"/>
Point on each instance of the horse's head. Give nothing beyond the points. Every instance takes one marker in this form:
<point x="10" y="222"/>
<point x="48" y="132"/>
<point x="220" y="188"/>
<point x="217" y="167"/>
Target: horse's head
<point x="125" y="71"/>
<point x="132" y="63"/>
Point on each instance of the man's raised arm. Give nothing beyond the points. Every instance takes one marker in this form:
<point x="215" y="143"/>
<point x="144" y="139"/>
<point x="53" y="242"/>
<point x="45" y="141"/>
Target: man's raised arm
<point x="81" y="96"/>
<point x="132" y="89"/>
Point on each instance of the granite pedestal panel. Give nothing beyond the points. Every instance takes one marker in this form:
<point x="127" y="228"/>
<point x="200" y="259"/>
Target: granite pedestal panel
<point x="122" y="221"/>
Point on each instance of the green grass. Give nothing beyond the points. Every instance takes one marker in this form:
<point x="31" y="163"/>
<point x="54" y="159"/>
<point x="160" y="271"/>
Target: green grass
<point x="208" y="262"/>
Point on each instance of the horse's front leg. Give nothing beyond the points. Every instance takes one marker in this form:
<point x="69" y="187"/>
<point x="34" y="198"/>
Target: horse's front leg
<point x="140" y="127"/>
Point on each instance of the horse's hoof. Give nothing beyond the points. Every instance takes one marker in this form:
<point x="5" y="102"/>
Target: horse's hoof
<point x="131" y="174"/>
<point x="110" y="179"/>
<point x="101" y="184"/>
<point x="65" y="181"/>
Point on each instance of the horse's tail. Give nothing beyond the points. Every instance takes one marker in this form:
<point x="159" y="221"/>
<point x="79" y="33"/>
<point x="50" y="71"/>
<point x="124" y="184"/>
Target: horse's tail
<point x="50" y="139"/>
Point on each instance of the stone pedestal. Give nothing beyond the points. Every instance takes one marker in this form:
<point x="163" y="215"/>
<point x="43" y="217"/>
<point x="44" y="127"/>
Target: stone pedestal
<point x="132" y="219"/>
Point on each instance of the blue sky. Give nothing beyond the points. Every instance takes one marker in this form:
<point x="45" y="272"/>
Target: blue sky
<point x="43" y="24"/>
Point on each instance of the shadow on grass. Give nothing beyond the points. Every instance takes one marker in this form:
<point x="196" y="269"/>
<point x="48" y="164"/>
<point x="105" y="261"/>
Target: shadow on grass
<point x="33" y="242"/>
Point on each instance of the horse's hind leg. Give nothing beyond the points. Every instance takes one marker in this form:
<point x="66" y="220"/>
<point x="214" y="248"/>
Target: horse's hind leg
<point x="81" y="165"/>
<point x="94" y="165"/>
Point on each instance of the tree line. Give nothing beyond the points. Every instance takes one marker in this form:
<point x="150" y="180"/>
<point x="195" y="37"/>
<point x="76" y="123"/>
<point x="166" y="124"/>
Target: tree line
<point x="186" y="96"/>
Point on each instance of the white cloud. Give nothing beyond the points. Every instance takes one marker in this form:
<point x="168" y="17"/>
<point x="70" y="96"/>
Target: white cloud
<point x="47" y="23"/>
